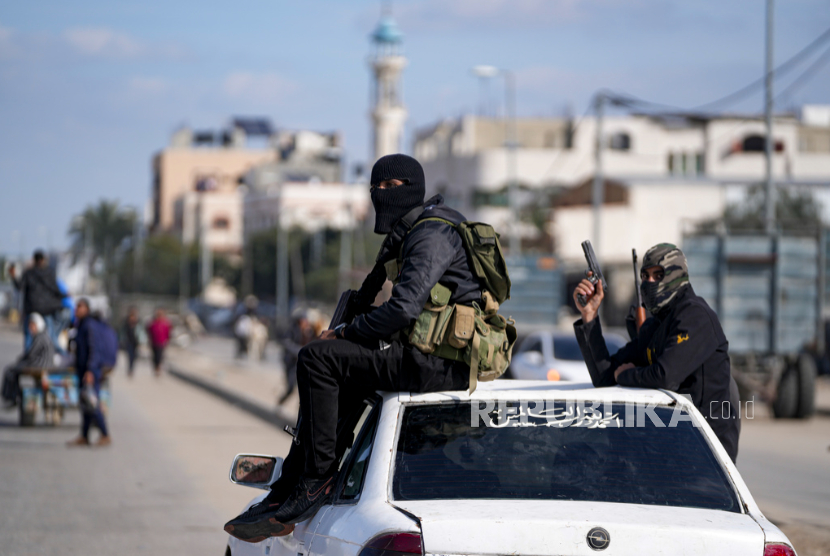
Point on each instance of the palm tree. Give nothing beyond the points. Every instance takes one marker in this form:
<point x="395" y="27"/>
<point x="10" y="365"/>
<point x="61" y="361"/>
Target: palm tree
<point x="100" y="230"/>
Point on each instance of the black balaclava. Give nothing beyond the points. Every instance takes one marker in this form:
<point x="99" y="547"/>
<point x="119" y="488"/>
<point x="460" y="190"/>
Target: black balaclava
<point x="391" y="204"/>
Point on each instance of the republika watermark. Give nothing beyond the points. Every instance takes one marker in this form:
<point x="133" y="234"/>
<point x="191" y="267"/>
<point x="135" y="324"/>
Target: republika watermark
<point x="595" y="414"/>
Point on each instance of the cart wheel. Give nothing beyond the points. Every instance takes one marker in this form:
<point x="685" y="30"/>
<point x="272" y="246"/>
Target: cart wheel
<point x="27" y="416"/>
<point x="786" y="401"/>
<point x="807" y="371"/>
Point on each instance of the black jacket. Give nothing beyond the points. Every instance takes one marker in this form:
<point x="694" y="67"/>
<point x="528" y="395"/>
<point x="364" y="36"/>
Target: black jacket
<point x="40" y="291"/>
<point x="432" y="253"/>
<point x="683" y="349"/>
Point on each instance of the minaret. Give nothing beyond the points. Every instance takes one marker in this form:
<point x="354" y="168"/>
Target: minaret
<point x="388" y="112"/>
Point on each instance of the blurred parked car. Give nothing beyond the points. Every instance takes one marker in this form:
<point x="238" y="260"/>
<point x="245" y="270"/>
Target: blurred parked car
<point x="554" y="356"/>
<point x="635" y="471"/>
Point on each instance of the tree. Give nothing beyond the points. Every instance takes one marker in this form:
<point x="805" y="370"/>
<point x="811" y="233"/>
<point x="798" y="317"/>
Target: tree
<point x="101" y="229"/>
<point x="795" y="210"/>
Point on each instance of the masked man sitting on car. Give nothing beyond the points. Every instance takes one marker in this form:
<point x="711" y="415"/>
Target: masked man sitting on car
<point x="681" y="348"/>
<point x="370" y="354"/>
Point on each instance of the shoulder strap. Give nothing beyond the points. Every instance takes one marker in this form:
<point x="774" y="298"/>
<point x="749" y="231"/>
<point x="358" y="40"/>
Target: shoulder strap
<point x="433" y="219"/>
<point x="399" y="258"/>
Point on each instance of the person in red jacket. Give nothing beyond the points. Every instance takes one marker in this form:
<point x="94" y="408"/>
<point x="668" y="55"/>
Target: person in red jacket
<point x="159" y="333"/>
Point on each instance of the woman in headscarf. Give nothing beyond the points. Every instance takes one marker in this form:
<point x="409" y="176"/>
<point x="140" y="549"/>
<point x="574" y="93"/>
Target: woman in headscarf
<point x="40" y="355"/>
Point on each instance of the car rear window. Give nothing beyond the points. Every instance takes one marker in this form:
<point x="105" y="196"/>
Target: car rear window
<point x="566" y="348"/>
<point x="440" y="456"/>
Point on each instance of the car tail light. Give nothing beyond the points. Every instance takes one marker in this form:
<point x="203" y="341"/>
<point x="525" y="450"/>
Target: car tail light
<point x="775" y="549"/>
<point x="553" y="375"/>
<point x="393" y="544"/>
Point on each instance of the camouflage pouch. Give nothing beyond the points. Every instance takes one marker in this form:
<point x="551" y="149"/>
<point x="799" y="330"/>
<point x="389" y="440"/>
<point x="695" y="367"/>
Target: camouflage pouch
<point x="431" y="325"/>
<point x="491" y="349"/>
<point x="462" y="326"/>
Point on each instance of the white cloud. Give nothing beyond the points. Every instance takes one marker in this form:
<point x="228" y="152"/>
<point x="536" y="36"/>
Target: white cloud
<point x="104" y="42"/>
<point x="257" y="87"/>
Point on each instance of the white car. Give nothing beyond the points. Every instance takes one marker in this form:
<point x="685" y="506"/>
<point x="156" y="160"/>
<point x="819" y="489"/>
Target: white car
<point x="528" y="468"/>
<point x="554" y="356"/>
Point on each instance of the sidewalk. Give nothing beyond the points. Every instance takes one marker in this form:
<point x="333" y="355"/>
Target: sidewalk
<point x="254" y="386"/>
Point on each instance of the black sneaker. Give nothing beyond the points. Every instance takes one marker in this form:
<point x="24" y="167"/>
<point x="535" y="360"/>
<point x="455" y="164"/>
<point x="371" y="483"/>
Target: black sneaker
<point x="308" y="496"/>
<point x="258" y="523"/>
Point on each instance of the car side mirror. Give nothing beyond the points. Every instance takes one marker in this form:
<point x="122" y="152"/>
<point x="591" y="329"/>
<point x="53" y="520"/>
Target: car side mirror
<point x="255" y="470"/>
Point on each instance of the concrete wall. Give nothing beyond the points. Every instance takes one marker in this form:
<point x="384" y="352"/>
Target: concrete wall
<point x="655" y="213"/>
<point x="310" y="206"/>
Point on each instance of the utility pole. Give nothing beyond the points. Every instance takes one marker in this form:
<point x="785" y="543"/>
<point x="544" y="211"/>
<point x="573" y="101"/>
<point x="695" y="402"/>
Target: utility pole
<point x="282" y="268"/>
<point x="138" y="255"/>
<point x="511" y="144"/>
<point x="768" y="107"/>
<point x="512" y="163"/>
<point x="205" y="259"/>
<point x="346" y="254"/>
<point x="597" y="190"/>
<point x="184" y="263"/>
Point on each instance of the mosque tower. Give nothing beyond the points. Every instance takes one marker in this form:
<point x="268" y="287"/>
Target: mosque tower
<point x="388" y="112"/>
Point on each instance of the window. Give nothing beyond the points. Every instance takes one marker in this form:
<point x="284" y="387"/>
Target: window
<point x="566" y="348"/>
<point x="620" y="142"/>
<point x="531" y="344"/>
<point x="440" y="456"/>
<point x="700" y="164"/>
<point x="355" y="459"/>
<point x="221" y="223"/>
<point x="758" y="144"/>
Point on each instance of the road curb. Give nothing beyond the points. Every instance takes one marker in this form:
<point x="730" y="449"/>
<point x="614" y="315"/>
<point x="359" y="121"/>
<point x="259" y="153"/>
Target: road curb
<point x="257" y="410"/>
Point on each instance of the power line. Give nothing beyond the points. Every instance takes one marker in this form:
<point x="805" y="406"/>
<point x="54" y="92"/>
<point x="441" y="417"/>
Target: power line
<point x="806" y="75"/>
<point x="779" y="71"/>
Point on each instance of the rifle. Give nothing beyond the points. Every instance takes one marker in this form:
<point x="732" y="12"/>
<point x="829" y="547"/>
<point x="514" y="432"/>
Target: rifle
<point x="595" y="272"/>
<point x="640" y="311"/>
<point x="344" y="312"/>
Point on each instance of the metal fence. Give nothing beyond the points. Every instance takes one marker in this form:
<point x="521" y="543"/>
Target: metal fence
<point x="765" y="289"/>
<point x="537" y="292"/>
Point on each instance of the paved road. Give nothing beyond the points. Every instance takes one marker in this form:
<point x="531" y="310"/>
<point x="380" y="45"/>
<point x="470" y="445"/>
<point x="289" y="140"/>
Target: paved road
<point x="160" y="488"/>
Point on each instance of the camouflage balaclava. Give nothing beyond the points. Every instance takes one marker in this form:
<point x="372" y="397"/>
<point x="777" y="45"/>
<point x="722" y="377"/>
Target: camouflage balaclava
<point x="657" y="295"/>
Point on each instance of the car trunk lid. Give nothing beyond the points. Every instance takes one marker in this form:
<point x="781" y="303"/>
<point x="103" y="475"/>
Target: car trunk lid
<point x="530" y="527"/>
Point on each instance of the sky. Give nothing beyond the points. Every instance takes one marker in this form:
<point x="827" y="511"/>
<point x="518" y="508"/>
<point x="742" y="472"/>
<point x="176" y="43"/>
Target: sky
<point x="91" y="89"/>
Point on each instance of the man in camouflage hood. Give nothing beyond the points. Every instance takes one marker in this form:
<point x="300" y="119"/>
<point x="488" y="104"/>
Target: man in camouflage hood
<point x="672" y="263"/>
<point x="680" y="348"/>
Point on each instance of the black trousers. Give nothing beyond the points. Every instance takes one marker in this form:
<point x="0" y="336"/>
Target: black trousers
<point x="334" y="376"/>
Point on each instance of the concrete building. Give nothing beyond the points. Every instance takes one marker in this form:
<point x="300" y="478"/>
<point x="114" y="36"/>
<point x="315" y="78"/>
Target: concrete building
<point x="311" y="206"/>
<point x="198" y="179"/>
<point x="200" y="161"/>
<point x="695" y="164"/>
<point x="388" y="112"/>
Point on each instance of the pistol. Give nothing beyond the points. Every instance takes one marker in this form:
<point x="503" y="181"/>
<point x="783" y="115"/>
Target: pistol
<point x="595" y="272"/>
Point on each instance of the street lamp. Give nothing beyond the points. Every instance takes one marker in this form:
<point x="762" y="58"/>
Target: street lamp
<point x="489" y="72"/>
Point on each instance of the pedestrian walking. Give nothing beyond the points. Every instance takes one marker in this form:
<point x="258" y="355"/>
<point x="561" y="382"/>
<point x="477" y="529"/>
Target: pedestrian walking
<point x="93" y="353"/>
<point x="158" y="332"/>
<point x="39" y="288"/>
<point x="307" y="326"/>
<point x="130" y="338"/>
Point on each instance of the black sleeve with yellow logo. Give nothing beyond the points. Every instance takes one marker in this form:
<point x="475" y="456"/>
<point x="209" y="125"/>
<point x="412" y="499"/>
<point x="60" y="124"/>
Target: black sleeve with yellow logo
<point x="674" y="353"/>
